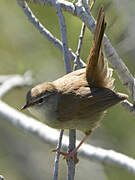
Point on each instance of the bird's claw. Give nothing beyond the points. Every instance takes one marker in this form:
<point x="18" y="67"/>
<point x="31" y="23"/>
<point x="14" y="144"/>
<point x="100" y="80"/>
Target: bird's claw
<point x="72" y="155"/>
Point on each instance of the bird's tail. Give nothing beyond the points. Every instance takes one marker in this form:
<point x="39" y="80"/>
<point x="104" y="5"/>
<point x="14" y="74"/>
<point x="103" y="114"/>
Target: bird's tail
<point x="98" y="73"/>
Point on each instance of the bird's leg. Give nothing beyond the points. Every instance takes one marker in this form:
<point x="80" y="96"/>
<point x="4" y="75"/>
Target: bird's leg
<point x="73" y="154"/>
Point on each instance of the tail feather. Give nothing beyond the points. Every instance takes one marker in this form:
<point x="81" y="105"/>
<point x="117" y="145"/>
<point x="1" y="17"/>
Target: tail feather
<point x="97" y="72"/>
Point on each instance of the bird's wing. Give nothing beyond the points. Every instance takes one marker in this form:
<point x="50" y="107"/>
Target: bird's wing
<point x="86" y="102"/>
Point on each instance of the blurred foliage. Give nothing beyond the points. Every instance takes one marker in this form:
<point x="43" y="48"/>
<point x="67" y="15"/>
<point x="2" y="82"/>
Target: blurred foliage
<point x="22" y="47"/>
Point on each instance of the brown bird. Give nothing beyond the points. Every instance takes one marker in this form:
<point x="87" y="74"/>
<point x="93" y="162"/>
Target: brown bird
<point x="78" y="100"/>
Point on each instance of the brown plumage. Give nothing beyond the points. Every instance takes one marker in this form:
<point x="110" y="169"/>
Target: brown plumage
<point x="85" y="94"/>
<point x="78" y="100"/>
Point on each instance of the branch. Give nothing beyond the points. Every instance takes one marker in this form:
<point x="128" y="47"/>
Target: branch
<point x="56" y="42"/>
<point x="50" y="136"/>
<point x="71" y="147"/>
<point x="63" y="36"/>
<point x="56" y="164"/>
<point x="77" y="10"/>
<point x="86" y="5"/>
<point x="77" y="59"/>
<point x="3" y="78"/>
<point x="15" y="81"/>
<point x="72" y="139"/>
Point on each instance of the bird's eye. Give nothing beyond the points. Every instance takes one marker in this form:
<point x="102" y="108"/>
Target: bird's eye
<point x="40" y="100"/>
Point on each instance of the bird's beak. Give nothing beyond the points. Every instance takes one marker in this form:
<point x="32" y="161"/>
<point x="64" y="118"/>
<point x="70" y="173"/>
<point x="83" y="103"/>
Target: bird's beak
<point x="24" y="107"/>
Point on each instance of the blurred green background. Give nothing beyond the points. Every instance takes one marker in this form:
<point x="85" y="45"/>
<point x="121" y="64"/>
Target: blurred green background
<point x="22" y="155"/>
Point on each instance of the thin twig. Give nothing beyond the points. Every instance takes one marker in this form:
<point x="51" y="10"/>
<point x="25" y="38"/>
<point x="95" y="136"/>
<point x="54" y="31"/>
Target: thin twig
<point x="44" y="132"/>
<point x="71" y="147"/>
<point x="77" y="59"/>
<point x="92" y="4"/>
<point x="86" y="5"/>
<point x="56" y="164"/>
<point x="63" y="37"/>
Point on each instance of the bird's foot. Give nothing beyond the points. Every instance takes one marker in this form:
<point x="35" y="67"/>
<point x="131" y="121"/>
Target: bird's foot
<point x="72" y="155"/>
